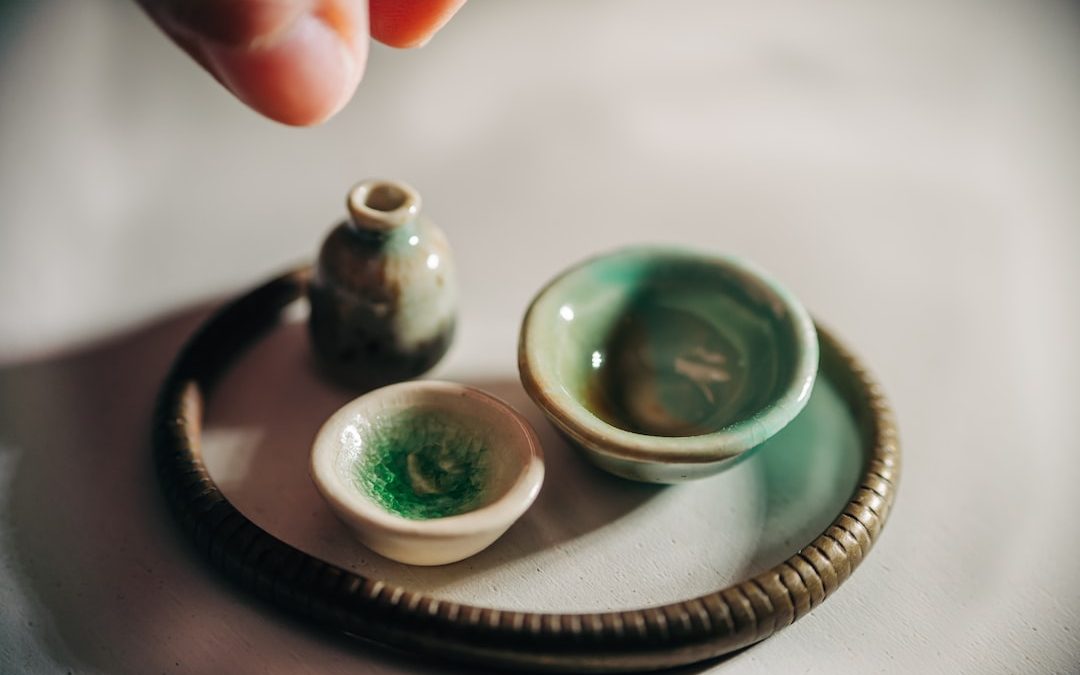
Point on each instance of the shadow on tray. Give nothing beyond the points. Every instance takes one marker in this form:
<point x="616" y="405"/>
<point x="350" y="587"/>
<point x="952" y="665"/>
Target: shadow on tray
<point x="98" y="556"/>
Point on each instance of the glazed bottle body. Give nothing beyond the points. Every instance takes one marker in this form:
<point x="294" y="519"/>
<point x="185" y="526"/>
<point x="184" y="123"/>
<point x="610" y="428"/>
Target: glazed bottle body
<point x="383" y="298"/>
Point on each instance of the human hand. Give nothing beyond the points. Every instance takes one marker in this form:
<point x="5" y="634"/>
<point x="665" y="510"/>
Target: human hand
<point x="295" y="61"/>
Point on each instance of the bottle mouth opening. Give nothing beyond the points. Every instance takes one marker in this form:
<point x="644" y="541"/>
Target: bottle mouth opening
<point x="379" y="205"/>
<point x="385" y="197"/>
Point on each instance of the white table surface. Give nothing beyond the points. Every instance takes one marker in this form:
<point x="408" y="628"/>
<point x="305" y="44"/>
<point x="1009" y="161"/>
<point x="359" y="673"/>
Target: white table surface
<point x="910" y="170"/>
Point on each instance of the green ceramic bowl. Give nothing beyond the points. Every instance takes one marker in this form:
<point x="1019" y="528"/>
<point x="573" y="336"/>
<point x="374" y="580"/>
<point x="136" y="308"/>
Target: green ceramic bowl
<point x="666" y="365"/>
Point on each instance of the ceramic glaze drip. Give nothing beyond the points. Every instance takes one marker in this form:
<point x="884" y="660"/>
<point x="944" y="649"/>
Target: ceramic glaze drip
<point x="667" y="370"/>
<point x="423" y="465"/>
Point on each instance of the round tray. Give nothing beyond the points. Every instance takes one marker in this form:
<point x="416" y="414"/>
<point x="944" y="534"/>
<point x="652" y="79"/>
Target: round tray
<point x="639" y="639"/>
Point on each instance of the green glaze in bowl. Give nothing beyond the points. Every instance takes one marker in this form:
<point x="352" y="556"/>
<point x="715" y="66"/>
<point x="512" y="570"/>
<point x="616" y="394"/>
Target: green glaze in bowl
<point x="664" y="364"/>
<point x="427" y="473"/>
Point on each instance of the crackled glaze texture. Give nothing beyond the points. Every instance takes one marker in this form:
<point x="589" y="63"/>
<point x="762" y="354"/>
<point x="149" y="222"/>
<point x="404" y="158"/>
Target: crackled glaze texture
<point x="424" y="464"/>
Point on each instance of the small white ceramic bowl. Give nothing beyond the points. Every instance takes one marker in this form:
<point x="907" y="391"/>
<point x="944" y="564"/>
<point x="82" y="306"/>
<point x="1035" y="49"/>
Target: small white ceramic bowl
<point x="427" y="473"/>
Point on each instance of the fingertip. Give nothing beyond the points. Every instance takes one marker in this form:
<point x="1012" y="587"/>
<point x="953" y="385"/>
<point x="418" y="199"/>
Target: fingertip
<point x="295" y="66"/>
<point x="303" y="79"/>
<point x="410" y="23"/>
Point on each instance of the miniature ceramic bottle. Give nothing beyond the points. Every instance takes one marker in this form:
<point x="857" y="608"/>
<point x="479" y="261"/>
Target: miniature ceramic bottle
<point x="384" y="293"/>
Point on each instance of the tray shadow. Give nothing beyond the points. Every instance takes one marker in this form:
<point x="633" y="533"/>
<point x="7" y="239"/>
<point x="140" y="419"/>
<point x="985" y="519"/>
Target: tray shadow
<point x="94" y="572"/>
<point x="96" y="559"/>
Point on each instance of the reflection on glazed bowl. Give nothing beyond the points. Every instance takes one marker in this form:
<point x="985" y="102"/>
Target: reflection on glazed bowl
<point x="665" y="364"/>
<point x="427" y="473"/>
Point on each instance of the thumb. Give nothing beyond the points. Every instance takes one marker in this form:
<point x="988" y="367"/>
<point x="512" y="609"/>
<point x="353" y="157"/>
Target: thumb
<point x="295" y="61"/>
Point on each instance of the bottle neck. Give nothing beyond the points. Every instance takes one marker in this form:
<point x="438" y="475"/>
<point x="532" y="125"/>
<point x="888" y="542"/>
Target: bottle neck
<point x="380" y="207"/>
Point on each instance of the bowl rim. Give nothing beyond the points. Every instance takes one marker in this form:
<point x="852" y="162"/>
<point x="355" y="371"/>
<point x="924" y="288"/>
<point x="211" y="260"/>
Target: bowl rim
<point x="496" y="514"/>
<point x="597" y="435"/>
